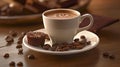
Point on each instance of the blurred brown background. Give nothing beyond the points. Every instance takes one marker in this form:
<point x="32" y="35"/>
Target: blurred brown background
<point x="109" y="42"/>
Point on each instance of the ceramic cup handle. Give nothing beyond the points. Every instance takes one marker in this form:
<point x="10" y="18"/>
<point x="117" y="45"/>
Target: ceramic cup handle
<point x="89" y="25"/>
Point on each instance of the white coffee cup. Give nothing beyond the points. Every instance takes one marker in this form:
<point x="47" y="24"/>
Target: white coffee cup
<point x="63" y="30"/>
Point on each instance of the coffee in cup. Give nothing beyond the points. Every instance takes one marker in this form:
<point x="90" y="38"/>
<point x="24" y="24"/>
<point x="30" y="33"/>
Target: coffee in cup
<point x="62" y="25"/>
<point x="61" y="14"/>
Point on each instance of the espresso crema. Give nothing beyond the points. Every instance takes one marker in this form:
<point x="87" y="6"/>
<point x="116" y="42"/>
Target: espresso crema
<point x="61" y="14"/>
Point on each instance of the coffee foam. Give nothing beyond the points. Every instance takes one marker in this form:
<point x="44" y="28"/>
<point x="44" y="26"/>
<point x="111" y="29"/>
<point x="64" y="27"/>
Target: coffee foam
<point x="61" y="14"/>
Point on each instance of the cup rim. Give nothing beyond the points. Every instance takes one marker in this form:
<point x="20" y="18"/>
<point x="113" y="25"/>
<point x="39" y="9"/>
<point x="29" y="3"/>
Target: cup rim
<point x="43" y="14"/>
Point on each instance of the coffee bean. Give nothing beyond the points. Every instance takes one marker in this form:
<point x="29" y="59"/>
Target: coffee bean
<point x="111" y="56"/>
<point x="19" y="64"/>
<point x="19" y="42"/>
<point x="6" y="55"/>
<point x="12" y="63"/>
<point x="83" y="41"/>
<point x="19" y="46"/>
<point x="46" y="47"/>
<point x="54" y="46"/>
<point x="71" y="46"/>
<point x="89" y="42"/>
<point x="20" y="51"/>
<point x="106" y="54"/>
<point x="82" y="37"/>
<point x="21" y="36"/>
<point x="13" y="33"/>
<point x="76" y="40"/>
<point x="9" y="39"/>
<point x="31" y="56"/>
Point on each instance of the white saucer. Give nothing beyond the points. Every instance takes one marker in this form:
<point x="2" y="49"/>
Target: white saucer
<point x="89" y="35"/>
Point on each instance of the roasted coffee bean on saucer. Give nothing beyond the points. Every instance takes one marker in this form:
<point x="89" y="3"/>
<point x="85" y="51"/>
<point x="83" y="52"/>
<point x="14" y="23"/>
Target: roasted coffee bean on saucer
<point x="88" y="42"/>
<point x="46" y="47"/>
<point x="76" y="40"/>
<point x="82" y="37"/>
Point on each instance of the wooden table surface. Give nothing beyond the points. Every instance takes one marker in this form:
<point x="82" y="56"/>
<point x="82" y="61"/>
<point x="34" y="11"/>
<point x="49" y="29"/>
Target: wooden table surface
<point x="109" y="42"/>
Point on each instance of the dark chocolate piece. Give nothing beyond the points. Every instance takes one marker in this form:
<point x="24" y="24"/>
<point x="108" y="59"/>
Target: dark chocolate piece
<point x="36" y="38"/>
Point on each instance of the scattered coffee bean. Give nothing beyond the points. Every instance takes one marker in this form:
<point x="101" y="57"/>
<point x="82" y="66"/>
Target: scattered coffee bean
<point x="21" y="36"/>
<point x="9" y="39"/>
<point x="19" y="46"/>
<point x="19" y="64"/>
<point x="13" y="33"/>
<point x="82" y="37"/>
<point x="6" y="55"/>
<point x="76" y="40"/>
<point x="106" y="54"/>
<point x="12" y="63"/>
<point x="46" y="47"/>
<point x="31" y="57"/>
<point x="111" y="56"/>
<point x="8" y="43"/>
<point x="20" y="51"/>
<point x="19" y="42"/>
